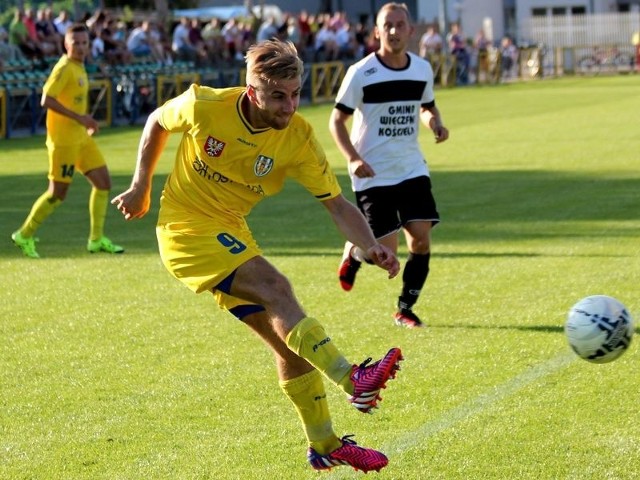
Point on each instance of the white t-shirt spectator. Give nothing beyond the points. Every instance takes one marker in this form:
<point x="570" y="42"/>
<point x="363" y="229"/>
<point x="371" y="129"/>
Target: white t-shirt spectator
<point x="97" y="48"/>
<point x="323" y="36"/>
<point x="180" y="39"/>
<point x="137" y="42"/>
<point x="267" y="30"/>
<point x="62" y="24"/>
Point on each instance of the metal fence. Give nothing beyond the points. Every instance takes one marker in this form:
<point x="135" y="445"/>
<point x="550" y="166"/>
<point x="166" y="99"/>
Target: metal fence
<point x="130" y="92"/>
<point x="582" y="30"/>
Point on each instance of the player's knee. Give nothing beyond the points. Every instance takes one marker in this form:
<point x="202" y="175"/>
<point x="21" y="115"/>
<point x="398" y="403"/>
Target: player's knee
<point x="420" y="246"/>
<point x="102" y="184"/>
<point x="280" y="288"/>
<point x="58" y="195"/>
<point x="99" y="178"/>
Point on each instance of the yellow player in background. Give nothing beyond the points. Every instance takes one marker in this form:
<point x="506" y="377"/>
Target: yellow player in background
<point x="70" y="146"/>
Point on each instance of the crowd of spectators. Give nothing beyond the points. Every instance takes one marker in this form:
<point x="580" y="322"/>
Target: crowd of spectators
<point x="30" y="35"/>
<point x="475" y="57"/>
<point x="37" y="35"/>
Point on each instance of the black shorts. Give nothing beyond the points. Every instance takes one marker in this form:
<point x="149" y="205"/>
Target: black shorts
<point x="389" y="208"/>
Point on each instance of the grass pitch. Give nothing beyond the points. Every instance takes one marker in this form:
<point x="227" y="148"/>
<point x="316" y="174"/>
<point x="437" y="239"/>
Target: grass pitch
<point x="111" y="369"/>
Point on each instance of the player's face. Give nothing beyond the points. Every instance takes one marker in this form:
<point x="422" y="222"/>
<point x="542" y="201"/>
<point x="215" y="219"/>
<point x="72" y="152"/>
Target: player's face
<point x="77" y="45"/>
<point x="394" y="31"/>
<point x="275" y="102"/>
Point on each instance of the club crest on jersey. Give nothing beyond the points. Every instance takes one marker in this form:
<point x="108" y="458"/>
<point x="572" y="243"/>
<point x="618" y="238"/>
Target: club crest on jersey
<point x="262" y="166"/>
<point x="213" y="147"/>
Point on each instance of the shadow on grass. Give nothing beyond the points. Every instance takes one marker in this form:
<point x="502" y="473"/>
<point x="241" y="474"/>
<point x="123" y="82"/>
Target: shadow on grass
<point x="25" y="141"/>
<point x="475" y="206"/>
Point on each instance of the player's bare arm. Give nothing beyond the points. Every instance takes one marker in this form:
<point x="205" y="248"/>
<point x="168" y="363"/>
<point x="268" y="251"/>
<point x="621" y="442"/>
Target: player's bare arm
<point x="338" y="128"/>
<point x="88" y="121"/>
<point x="355" y="228"/>
<point x="431" y="118"/>
<point x="136" y="200"/>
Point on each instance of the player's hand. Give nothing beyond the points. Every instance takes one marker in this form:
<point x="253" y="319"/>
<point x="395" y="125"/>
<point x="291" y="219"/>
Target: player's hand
<point x="360" y="168"/>
<point x="90" y="124"/>
<point x="441" y="133"/>
<point x="384" y="258"/>
<point x="133" y="203"/>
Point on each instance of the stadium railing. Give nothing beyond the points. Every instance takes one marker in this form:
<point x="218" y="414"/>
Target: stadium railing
<point x="125" y="94"/>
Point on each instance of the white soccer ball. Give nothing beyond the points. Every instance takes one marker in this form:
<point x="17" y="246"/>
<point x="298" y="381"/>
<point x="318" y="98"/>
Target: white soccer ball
<point x="599" y="328"/>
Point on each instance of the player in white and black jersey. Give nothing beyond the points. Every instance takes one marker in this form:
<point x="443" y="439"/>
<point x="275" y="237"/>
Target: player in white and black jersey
<point x="388" y="94"/>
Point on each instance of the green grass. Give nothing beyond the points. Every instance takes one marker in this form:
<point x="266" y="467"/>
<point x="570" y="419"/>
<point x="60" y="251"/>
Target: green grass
<point x="111" y="369"/>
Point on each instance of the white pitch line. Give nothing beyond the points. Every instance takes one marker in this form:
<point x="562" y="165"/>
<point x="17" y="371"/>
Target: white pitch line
<point x="471" y="408"/>
<point x="478" y="404"/>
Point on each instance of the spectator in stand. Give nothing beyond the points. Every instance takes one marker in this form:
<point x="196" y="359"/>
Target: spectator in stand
<point x="162" y="39"/>
<point x="233" y="40"/>
<point x="294" y="35"/>
<point x="430" y="44"/>
<point x="326" y="42"/>
<point x="214" y="41"/>
<point x="635" y="40"/>
<point x="306" y="40"/>
<point x="248" y="37"/>
<point x="115" y="50"/>
<point x="361" y="34"/>
<point x="268" y="29"/>
<point x="62" y="22"/>
<point x="508" y="58"/>
<point x="8" y="51"/>
<point x="47" y="31"/>
<point x="315" y="22"/>
<point x="19" y="36"/>
<point x="181" y="44"/>
<point x="372" y="43"/>
<point x="338" y="20"/>
<point x="481" y="46"/>
<point x="430" y="47"/>
<point x="458" y="48"/>
<point x="346" y="40"/>
<point x="106" y="50"/>
<point x="95" y="21"/>
<point x="30" y="22"/>
<point x="120" y="32"/>
<point x="97" y="47"/>
<point x="142" y="42"/>
<point x="197" y="42"/>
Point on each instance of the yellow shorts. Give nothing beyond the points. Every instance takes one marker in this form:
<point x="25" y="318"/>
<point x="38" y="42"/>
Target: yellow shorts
<point x="63" y="160"/>
<point x="202" y="256"/>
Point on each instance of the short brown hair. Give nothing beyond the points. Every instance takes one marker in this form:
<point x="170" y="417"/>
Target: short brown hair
<point x="394" y="6"/>
<point x="273" y="60"/>
<point x="77" y="28"/>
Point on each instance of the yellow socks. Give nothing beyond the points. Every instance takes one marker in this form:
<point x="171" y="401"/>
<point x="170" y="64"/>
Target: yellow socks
<point x="309" y="398"/>
<point x="309" y="340"/>
<point x="41" y="209"/>
<point x="98" y="202"/>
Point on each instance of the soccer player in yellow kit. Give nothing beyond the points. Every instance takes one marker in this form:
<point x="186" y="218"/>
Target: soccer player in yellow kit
<point x="70" y="146"/>
<point x="238" y="146"/>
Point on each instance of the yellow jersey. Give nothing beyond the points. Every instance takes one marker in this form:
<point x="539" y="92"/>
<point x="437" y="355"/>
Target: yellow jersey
<point x="69" y="84"/>
<point x="224" y="166"/>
